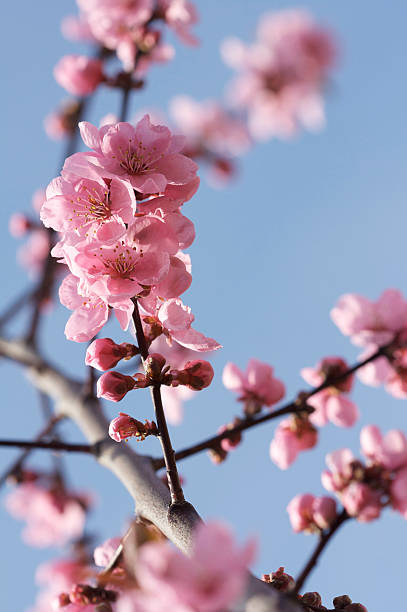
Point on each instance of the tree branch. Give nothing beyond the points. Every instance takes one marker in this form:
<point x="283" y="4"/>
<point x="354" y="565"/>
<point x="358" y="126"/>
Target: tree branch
<point x="293" y="407"/>
<point x="51" y="445"/>
<point x="133" y="470"/>
<point x="323" y="541"/>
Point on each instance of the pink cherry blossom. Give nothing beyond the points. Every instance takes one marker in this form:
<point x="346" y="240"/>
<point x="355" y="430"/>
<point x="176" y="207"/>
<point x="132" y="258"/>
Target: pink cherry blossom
<point x="211" y="579"/>
<point x="331" y="403"/>
<point x="78" y="74"/>
<point x="398" y="492"/>
<point x="89" y="207"/>
<point x="390" y="371"/>
<point x="368" y="322"/>
<point x="324" y="511"/>
<point x="34" y="252"/>
<point x="147" y="156"/>
<point x="257" y="384"/>
<point x="76" y="28"/>
<point x="292" y="436"/>
<point x="53" y="518"/>
<point x="389" y="451"/>
<point x="19" y="225"/>
<point x="175" y="320"/>
<point x="114" y="386"/>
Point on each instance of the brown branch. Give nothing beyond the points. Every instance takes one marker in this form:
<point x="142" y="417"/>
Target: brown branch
<point x="51" y="445"/>
<point x="293" y="407"/>
<point x="177" y="495"/>
<point x="325" y="537"/>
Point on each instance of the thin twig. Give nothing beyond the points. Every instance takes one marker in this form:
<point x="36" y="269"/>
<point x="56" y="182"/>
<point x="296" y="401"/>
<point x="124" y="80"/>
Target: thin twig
<point x="323" y="541"/>
<point x="51" y="445"/>
<point x="17" y="465"/>
<point x="169" y="461"/>
<point x="293" y="407"/>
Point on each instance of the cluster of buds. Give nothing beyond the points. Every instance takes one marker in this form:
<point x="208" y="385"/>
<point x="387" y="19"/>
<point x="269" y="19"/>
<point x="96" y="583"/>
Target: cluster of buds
<point x="280" y="580"/>
<point x="293" y="435"/>
<point x="125" y="426"/>
<point x="85" y="595"/>
<point x="311" y="514"/>
<point x="312" y="602"/>
<point x="196" y="375"/>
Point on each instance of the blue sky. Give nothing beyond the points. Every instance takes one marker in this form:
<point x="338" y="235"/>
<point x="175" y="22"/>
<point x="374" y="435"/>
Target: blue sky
<point x="306" y="221"/>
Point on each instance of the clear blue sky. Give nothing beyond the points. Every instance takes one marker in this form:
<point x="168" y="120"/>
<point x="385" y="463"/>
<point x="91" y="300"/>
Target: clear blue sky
<point x="305" y="222"/>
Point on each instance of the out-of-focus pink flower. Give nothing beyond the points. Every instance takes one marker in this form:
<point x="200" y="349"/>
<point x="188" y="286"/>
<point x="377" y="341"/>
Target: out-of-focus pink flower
<point x="362" y="502"/>
<point x="114" y="386"/>
<point x="180" y="15"/>
<point x="398" y="492"/>
<point x="78" y="74"/>
<point x="389" y="451"/>
<point x="368" y="322"/>
<point x="211" y="579"/>
<point x="19" y="225"/>
<point x="34" y="252"/>
<point x="292" y="436"/>
<point x="324" y="511"/>
<point x="104" y="354"/>
<point x="281" y="75"/>
<point x="257" y="384"/>
<point x="53" y="518"/>
<point x="308" y="513"/>
<point x="230" y="443"/>
<point x="390" y="371"/>
<point x="331" y="403"/>
<point x="103" y="554"/>
<point x="340" y="470"/>
<point x="76" y="28"/>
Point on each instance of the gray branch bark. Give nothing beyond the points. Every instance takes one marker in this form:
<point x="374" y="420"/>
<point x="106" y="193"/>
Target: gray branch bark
<point x="135" y="471"/>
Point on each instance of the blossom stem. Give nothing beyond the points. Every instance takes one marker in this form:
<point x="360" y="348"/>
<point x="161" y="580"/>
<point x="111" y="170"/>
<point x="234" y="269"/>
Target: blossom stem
<point x="169" y="461"/>
<point x="294" y="407"/>
<point x="51" y="444"/>
<point x="323" y="541"/>
<point x="17" y="465"/>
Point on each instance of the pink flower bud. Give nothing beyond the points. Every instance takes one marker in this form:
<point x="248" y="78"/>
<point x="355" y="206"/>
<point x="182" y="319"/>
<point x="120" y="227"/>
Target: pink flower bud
<point x="361" y="501"/>
<point x="124" y="426"/>
<point x="300" y="512"/>
<point x="235" y="438"/>
<point x="104" y="353"/>
<point x="196" y="375"/>
<point x="19" y="225"/>
<point x="78" y="74"/>
<point x="114" y="386"/>
<point x="324" y="511"/>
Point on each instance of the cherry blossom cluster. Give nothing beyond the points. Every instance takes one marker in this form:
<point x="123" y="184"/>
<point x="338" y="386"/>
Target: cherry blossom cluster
<point x="53" y="514"/>
<point x="282" y="74"/>
<point x="158" y="578"/>
<point x="364" y="489"/>
<point x="376" y="324"/>
<point x="118" y="211"/>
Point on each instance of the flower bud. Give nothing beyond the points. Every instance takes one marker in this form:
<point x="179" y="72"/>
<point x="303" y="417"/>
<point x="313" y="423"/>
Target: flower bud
<point x="124" y="426"/>
<point x="196" y="375"/>
<point x="355" y="607"/>
<point x="341" y="602"/>
<point x="104" y="353"/>
<point x="324" y="511"/>
<point x="280" y="580"/>
<point x="312" y="598"/>
<point x="114" y="386"/>
<point x="217" y="455"/>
